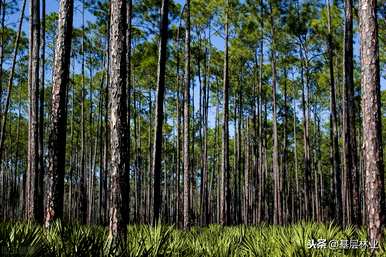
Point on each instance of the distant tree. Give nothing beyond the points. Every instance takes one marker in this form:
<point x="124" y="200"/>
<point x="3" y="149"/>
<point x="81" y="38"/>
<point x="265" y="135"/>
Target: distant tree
<point x="224" y="190"/>
<point x="186" y="131"/>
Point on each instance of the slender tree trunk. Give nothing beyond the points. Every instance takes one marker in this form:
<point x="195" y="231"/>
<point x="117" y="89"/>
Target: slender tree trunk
<point x="150" y="175"/>
<point x="2" y="40"/>
<point x="10" y="81"/>
<point x="83" y="191"/>
<point x="57" y="139"/>
<point x="91" y="140"/>
<point x="32" y="212"/>
<point x="106" y="127"/>
<point x="286" y="193"/>
<point x="129" y="30"/>
<point x="17" y="204"/>
<point x="372" y="125"/>
<point x="306" y="157"/>
<point x="159" y="118"/>
<point x="224" y="189"/>
<point x="260" y="118"/>
<point x="335" y="162"/>
<point x="178" y="128"/>
<point x="239" y="156"/>
<point x="205" y="196"/>
<point x="40" y="186"/>
<point x="296" y="202"/>
<point x="247" y="208"/>
<point x="186" y="207"/>
<point x="73" y="155"/>
<point x="139" y="169"/>
<point x="349" y="133"/>
<point x="278" y="215"/>
<point x="218" y="163"/>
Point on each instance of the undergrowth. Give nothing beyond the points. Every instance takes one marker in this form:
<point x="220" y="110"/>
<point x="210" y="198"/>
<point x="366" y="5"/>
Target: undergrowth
<point x="25" y="239"/>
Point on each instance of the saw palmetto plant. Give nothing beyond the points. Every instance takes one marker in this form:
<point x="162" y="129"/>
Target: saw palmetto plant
<point x="26" y="239"/>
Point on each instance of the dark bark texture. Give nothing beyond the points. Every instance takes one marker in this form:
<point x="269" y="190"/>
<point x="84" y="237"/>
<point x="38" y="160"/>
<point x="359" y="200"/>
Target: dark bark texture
<point x="371" y="109"/>
<point x="118" y="121"/>
<point x="57" y="137"/>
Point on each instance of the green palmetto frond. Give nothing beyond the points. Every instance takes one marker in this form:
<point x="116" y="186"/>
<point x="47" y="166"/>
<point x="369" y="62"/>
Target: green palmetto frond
<point x="27" y="239"/>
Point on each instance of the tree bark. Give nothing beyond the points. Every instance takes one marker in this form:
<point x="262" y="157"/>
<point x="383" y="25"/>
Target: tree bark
<point x="2" y="40"/>
<point x="186" y="207"/>
<point x="118" y="122"/>
<point x="40" y="186"/>
<point x="335" y="161"/>
<point x="57" y="139"/>
<point x="224" y="189"/>
<point x="349" y="133"/>
<point x="260" y="120"/>
<point x="129" y="32"/>
<point x="82" y="182"/>
<point x="32" y="212"/>
<point x="159" y="118"/>
<point x="178" y="128"/>
<point x="372" y="125"/>
<point x="278" y="215"/>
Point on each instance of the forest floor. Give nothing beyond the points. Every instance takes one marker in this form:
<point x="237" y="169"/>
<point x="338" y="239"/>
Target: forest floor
<point x="305" y="239"/>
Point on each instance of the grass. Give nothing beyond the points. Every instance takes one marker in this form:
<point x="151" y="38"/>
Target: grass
<point x="25" y="239"/>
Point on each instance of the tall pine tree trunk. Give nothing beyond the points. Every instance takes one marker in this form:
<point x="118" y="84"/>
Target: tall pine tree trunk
<point x="159" y="118"/>
<point x="10" y="80"/>
<point x="178" y="128"/>
<point x="278" y="215"/>
<point x="32" y="212"/>
<point x="335" y="160"/>
<point x="83" y="191"/>
<point x="57" y="139"/>
<point x="40" y="186"/>
<point x="349" y="133"/>
<point x="260" y="175"/>
<point x="118" y="122"/>
<point x="371" y="110"/>
<point x="186" y="204"/>
<point x="129" y="31"/>
<point x="224" y="189"/>
<point x="2" y="41"/>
